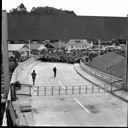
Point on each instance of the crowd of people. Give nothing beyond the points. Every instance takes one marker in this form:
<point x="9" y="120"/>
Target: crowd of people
<point x="64" y="56"/>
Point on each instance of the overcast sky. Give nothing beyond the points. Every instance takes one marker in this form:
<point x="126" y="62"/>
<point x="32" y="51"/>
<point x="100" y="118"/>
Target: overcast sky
<point x="80" y="7"/>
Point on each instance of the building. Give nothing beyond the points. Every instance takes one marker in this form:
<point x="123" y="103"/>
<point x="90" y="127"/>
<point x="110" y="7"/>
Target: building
<point x="77" y="44"/>
<point x="33" y="47"/>
<point x="42" y="47"/>
<point x="18" y="49"/>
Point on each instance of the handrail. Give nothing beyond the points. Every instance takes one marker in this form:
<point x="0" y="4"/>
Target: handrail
<point x="103" y="75"/>
<point x="59" y="90"/>
<point x="4" y="123"/>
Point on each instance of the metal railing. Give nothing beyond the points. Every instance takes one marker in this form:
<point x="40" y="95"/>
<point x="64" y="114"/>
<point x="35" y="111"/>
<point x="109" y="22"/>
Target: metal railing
<point x="13" y="79"/>
<point x="57" y="90"/>
<point x="112" y="80"/>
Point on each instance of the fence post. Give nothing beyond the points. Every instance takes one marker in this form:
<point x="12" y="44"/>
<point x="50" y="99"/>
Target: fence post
<point x="37" y="91"/>
<point x="79" y="89"/>
<point x="66" y="90"/>
<point x="30" y="90"/>
<point x="105" y="87"/>
<point x="92" y="89"/>
<point x="45" y="90"/>
<point x="52" y="89"/>
<point x="98" y="89"/>
<point x="86" y="88"/>
<point x="111" y="87"/>
<point x="72" y="89"/>
<point x="59" y="90"/>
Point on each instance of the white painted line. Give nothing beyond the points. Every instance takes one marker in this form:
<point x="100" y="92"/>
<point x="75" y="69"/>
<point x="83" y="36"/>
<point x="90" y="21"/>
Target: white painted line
<point x="81" y="105"/>
<point x="61" y="84"/>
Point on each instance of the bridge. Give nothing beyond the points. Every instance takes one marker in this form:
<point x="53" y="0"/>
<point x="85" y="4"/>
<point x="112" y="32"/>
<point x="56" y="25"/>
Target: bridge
<point x="54" y="108"/>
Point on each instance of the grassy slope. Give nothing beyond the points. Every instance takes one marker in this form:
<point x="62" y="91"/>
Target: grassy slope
<point x="113" y="60"/>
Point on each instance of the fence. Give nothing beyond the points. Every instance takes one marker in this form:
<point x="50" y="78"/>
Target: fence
<point x="57" y="90"/>
<point x="115" y="83"/>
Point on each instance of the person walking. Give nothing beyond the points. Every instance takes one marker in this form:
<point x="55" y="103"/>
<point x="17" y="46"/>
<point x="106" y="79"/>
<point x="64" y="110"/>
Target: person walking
<point x="54" y="70"/>
<point x="33" y="74"/>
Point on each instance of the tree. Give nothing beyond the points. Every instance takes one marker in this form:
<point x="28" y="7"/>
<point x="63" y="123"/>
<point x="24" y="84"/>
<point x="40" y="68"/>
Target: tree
<point x="51" y="11"/>
<point x="21" y="9"/>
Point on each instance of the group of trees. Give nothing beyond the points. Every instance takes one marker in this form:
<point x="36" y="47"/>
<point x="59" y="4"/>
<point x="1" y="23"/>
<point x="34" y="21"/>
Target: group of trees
<point x="21" y="9"/>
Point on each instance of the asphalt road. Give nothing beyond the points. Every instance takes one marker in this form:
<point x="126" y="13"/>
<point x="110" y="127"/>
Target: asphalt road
<point x="89" y="109"/>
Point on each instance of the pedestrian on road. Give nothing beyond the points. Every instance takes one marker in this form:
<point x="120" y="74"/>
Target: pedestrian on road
<point x="54" y="70"/>
<point x="33" y="74"/>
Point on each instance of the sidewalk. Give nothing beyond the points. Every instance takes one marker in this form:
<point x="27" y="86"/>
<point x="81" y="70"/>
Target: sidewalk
<point x="123" y="95"/>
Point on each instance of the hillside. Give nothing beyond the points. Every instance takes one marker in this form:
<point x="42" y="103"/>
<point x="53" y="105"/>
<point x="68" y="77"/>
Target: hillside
<point x="111" y="63"/>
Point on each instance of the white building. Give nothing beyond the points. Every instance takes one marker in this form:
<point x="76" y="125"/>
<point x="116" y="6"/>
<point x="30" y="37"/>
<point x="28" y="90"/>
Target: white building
<point x="20" y="48"/>
<point x="75" y="44"/>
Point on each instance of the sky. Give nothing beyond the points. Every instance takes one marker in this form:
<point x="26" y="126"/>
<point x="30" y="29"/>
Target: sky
<point x="117" y="8"/>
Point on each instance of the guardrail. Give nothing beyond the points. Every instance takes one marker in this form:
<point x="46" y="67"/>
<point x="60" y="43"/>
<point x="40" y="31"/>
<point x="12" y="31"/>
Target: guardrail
<point x="57" y="90"/>
<point x="19" y="68"/>
<point x="13" y="79"/>
<point x="112" y="80"/>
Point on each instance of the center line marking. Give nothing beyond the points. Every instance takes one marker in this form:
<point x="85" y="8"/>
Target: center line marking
<point x="81" y="105"/>
<point x="61" y="84"/>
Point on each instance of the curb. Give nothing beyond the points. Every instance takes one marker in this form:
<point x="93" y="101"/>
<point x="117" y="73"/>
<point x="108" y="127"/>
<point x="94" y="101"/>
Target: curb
<point x="117" y="96"/>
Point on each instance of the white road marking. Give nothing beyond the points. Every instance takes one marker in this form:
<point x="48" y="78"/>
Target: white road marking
<point x="81" y="105"/>
<point x="61" y="84"/>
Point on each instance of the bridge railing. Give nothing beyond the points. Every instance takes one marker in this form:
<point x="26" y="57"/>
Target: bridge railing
<point x="112" y="80"/>
<point x="13" y="79"/>
<point x="57" y="90"/>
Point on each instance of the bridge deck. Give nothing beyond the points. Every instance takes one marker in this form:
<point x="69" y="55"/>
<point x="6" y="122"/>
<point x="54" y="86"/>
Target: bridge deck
<point x="93" y="109"/>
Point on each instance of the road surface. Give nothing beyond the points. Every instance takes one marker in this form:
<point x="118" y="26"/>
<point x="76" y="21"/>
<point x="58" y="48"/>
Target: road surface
<point x="93" y="109"/>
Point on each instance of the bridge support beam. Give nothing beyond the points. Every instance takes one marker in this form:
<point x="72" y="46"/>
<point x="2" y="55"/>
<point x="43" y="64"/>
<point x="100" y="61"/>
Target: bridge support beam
<point x="5" y="62"/>
<point x="126" y="67"/>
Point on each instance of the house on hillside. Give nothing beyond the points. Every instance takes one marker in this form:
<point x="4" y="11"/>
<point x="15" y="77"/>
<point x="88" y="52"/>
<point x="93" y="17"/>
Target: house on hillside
<point x="77" y="44"/>
<point x="50" y="46"/>
<point x="34" y="48"/>
<point x="59" y="45"/>
<point x="18" y="50"/>
<point x="42" y="47"/>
